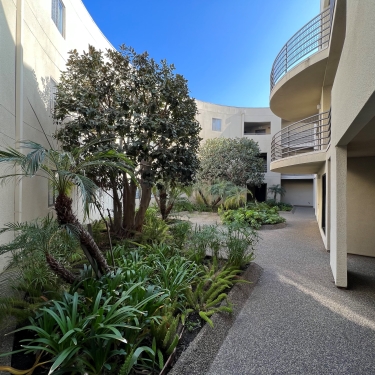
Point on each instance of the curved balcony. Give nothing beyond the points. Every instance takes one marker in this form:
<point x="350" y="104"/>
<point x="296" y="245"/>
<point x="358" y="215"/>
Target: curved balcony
<point x="311" y="134"/>
<point x="298" y="71"/>
<point x="311" y="38"/>
<point x="309" y="137"/>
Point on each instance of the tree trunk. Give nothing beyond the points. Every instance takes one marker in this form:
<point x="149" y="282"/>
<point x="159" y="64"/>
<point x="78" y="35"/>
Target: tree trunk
<point x="59" y="269"/>
<point x="117" y="209"/>
<point x="65" y="215"/>
<point x="163" y="197"/>
<point x="203" y="197"/>
<point x="130" y="190"/>
<point x="143" y="205"/>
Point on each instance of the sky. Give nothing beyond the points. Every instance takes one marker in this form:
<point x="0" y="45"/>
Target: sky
<point x="224" y="48"/>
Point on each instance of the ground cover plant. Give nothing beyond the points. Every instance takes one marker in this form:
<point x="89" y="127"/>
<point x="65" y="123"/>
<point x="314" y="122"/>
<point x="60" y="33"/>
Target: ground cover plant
<point x="280" y="205"/>
<point x="130" y="319"/>
<point x="255" y="215"/>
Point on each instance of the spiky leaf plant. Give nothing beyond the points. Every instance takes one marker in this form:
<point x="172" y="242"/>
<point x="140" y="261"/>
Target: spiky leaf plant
<point x="65" y="170"/>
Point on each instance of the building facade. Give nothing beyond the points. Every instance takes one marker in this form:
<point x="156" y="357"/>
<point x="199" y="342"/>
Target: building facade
<point x="323" y="87"/>
<point x="35" y="37"/>
<point x="259" y="124"/>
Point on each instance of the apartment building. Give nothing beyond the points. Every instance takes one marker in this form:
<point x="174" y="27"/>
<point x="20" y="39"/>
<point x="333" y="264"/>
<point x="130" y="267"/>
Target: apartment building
<point x="35" y="37"/>
<point x="323" y="87"/>
<point x="259" y="124"/>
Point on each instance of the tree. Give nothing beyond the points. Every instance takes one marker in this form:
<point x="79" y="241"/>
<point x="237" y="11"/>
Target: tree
<point x="145" y="107"/>
<point x="277" y="189"/>
<point x="234" y="160"/>
<point x="65" y="170"/>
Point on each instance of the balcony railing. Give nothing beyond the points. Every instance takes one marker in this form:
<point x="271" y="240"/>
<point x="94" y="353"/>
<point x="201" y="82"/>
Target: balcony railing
<point x="311" y="134"/>
<point x="313" y="37"/>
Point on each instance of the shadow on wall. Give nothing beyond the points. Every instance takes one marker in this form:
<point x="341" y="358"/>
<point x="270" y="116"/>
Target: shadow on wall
<point x="38" y="97"/>
<point x="233" y="127"/>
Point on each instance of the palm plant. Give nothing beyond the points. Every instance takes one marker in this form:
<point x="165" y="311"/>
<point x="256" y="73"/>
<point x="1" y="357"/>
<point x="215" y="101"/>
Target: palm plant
<point x="277" y="189"/>
<point x="65" y="170"/>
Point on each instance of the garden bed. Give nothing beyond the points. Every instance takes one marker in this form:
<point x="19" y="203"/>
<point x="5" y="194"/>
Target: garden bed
<point x="197" y="358"/>
<point x="272" y="226"/>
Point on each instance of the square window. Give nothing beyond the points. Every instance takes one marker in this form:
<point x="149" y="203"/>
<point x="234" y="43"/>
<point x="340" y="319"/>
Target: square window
<point x="216" y="124"/>
<point x="58" y="15"/>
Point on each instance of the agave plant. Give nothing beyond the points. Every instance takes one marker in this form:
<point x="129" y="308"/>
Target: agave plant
<point x="65" y="170"/>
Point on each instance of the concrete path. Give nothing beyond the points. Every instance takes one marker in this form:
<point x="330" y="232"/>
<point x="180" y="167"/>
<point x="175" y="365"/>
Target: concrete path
<point x="297" y="321"/>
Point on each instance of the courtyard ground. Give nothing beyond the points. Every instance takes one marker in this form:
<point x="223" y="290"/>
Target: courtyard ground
<point x="296" y="321"/>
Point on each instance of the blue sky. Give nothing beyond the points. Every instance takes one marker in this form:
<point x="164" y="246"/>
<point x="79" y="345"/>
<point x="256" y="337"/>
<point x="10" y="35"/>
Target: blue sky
<point x="225" y="49"/>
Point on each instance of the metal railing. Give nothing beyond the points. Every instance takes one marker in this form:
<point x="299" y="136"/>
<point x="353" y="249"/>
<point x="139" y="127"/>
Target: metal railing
<point x="313" y="37"/>
<point x="311" y="134"/>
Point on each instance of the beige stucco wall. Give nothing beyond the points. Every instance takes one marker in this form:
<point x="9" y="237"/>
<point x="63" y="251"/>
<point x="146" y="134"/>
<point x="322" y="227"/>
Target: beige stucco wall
<point x="361" y="206"/>
<point x="353" y="102"/>
<point x="298" y="192"/>
<point x="232" y="126"/>
<point x="44" y="54"/>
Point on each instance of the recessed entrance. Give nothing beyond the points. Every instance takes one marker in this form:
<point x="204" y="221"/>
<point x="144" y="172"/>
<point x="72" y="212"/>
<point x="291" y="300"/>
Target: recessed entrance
<point x="259" y="193"/>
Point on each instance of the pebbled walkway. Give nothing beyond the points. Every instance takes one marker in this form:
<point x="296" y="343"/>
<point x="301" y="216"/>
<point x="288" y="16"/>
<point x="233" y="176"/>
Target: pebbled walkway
<point x="297" y="321"/>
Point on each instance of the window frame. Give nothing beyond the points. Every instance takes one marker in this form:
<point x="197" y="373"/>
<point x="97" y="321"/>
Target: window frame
<point x="214" y="122"/>
<point x="58" y="15"/>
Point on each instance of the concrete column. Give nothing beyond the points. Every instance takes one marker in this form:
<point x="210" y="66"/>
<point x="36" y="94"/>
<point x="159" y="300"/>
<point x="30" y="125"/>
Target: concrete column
<point x="338" y="245"/>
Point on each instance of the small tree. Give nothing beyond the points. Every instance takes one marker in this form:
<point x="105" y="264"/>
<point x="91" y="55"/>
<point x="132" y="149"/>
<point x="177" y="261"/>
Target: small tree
<point x="143" y="109"/>
<point x="65" y="170"/>
<point x="277" y="189"/>
<point x="232" y="160"/>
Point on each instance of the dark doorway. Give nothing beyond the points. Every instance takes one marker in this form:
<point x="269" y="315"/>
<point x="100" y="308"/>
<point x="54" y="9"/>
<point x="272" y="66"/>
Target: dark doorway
<point x="259" y="193"/>
<point x="324" y="202"/>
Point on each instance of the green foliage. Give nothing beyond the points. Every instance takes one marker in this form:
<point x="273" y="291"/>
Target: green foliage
<point x="32" y="241"/>
<point x="277" y="190"/>
<point x="155" y="229"/>
<point x="199" y="241"/>
<point x="232" y="160"/>
<point x="184" y="204"/>
<point x="34" y="277"/>
<point x="255" y="216"/>
<point x="179" y="232"/>
<point x="240" y="241"/>
<point x="82" y="334"/>
<point x="165" y="337"/>
<point x="211" y="194"/>
<point x="142" y="109"/>
<point x="280" y="205"/>
<point x="207" y="294"/>
<point x="166" y="195"/>
<point x="202" y="241"/>
<point x="174" y="274"/>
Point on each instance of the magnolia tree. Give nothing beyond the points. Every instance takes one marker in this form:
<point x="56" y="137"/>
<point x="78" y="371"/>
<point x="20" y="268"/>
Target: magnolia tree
<point x="234" y="161"/>
<point x="137" y="107"/>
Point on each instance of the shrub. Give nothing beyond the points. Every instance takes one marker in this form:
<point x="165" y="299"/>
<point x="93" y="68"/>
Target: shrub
<point x="255" y="216"/>
<point x="240" y="241"/>
<point x="202" y="241"/>
<point x="155" y="230"/>
<point x="281" y="206"/>
<point x="180" y="232"/>
<point x="84" y="334"/>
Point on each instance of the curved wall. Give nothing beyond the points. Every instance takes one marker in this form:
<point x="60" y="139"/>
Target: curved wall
<point x="232" y="126"/>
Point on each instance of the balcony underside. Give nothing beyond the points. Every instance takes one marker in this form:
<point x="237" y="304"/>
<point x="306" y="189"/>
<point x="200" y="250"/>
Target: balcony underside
<point x="297" y="94"/>
<point x="308" y="163"/>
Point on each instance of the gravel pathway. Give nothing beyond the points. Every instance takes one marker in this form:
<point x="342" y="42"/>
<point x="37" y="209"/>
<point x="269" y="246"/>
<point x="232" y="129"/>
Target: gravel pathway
<point x="297" y="321"/>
